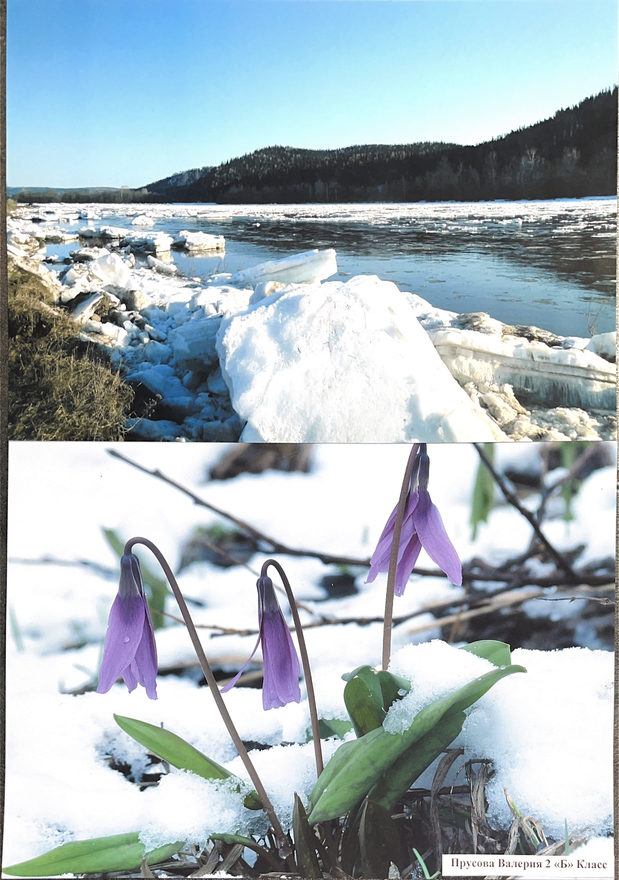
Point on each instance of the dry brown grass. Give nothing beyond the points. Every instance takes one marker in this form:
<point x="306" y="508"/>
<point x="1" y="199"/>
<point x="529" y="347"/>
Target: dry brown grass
<point x="60" y="388"/>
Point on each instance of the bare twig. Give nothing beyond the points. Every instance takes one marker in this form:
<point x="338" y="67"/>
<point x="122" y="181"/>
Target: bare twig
<point x="506" y="599"/>
<point x="484" y="605"/>
<point x="275" y="545"/>
<point x="577" y="466"/>
<point x="559" y="559"/>
<point x="445" y="763"/>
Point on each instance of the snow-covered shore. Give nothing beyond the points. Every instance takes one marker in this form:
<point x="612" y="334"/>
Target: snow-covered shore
<point x="278" y="352"/>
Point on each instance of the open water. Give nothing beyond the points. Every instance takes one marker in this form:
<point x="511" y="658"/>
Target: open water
<point x="547" y="263"/>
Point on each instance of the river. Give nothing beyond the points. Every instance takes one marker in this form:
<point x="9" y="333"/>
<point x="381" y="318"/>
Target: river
<point x="546" y="263"/>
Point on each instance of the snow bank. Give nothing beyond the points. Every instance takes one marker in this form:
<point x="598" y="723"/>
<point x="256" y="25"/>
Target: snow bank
<point x="520" y="726"/>
<point x="344" y="362"/>
<point x="521" y="723"/>
<point x="604" y="344"/>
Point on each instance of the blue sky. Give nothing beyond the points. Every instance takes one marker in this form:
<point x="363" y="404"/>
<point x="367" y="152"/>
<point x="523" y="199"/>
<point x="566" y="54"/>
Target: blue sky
<point x="123" y="92"/>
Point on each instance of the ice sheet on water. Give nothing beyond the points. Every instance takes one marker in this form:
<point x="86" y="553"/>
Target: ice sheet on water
<point x="199" y="241"/>
<point x="161" y="266"/>
<point x="307" y="267"/>
<point x="148" y="243"/>
<point x="142" y="220"/>
<point x="492" y="355"/>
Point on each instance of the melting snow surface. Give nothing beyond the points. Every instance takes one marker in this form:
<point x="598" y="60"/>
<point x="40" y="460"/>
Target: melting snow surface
<point x="343" y="362"/>
<point x="548" y="732"/>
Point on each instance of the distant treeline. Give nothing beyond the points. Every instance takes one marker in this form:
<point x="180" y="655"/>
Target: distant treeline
<point x="572" y="154"/>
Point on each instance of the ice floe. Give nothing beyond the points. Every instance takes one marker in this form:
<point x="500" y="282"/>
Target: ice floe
<point x="197" y="242"/>
<point x="361" y="366"/>
<point x="310" y="266"/>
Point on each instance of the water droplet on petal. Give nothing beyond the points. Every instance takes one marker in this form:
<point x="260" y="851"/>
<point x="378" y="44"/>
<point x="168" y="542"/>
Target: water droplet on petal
<point x="126" y="639"/>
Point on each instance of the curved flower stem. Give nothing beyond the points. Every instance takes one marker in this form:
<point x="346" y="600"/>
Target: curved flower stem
<point x="282" y="842"/>
<point x="311" y="699"/>
<point x="393" y="558"/>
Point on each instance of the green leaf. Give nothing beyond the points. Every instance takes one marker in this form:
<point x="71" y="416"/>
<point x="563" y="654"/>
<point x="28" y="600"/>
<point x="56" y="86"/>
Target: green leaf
<point x="156" y="587"/>
<point x="181" y="754"/>
<point x="337" y="769"/>
<point x="347" y="676"/>
<point x="390" y="686"/>
<point x="498" y="653"/>
<point x="364" y="702"/>
<point x="409" y="766"/>
<point x="231" y="839"/>
<point x="120" y="852"/>
<point x="483" y="492"/>
<point x="357" y="766"/>
<point x="304" y="842"/>
<point x="369" y="694"/>
<point x="116" y="543"/>
<point x="331" y="727"/>
<point x="424" y="867"/>
<point x="378" y="840"/>
<point x="569" y="452"/>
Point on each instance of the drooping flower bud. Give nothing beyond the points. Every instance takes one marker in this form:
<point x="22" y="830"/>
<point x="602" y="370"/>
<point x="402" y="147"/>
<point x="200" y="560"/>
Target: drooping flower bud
<point x="129" y="650"/>
<point x="422" y="526"/>
<point x="281" y="668"/>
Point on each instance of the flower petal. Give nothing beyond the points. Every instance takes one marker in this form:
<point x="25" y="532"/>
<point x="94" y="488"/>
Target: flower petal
<point x="130" y="676"/>
<point x="434" y="538"/>
<point x="382" y="554"/>
<point x="407" y="563"/>
<point x="231" y="684"/>
<point x="281" y="664"/>
<point x="145" y="659"/>
<point x="130" y="583"/>
<point x="123" y="636"/>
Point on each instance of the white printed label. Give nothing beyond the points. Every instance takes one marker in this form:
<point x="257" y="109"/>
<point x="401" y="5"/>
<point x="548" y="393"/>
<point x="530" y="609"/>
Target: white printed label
<point x="530" y="867"/>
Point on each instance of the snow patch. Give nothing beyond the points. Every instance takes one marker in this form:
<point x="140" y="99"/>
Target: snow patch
<point x="343" y="362"/>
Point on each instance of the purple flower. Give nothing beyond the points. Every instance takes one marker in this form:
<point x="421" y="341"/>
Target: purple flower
<point x="280" y="661"/>
<point x="422" y="526"/>
<point x="129" y="648"/>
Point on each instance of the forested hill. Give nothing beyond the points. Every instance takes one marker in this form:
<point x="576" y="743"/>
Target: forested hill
<point x="571" y="154"/>
<point x="281" y="168"/>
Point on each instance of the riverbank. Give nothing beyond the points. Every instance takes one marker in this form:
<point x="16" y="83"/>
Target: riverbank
<point x="280" y="352"/>
<point x="60" y="387"/>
